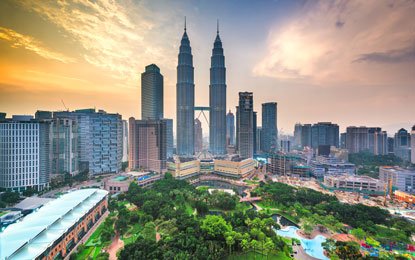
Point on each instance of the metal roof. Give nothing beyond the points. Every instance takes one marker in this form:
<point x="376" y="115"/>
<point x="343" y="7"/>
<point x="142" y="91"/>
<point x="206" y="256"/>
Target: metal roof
<point x="33" y="235"/>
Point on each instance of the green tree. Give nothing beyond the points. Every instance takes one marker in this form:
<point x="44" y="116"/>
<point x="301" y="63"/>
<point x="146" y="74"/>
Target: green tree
<point x="149" y="231"/>
<point x="359" y="233"/>
<point x="230" y="241"/>
<point x="10" y="197"/>
<point x="215" y="226"/>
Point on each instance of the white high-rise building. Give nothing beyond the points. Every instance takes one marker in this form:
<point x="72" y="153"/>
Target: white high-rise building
<point x="25" y="153"/>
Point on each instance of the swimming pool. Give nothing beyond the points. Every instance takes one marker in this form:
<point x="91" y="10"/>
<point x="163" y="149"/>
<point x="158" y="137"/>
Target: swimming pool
<point x="312" y="247"/>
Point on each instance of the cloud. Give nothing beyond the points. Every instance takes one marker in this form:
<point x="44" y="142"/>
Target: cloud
<point x="112" y="34"/>
<point x="371" y="42"/>
<point x="392" y="56"/>
<point x="18" y="40"/>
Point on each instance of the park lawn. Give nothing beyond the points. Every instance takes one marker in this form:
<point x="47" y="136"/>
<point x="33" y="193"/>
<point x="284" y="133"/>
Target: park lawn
<point x="252" y="256"/>
<point x="85" y="253"/>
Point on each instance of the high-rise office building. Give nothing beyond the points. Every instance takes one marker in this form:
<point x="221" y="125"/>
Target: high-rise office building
<point x="369" y="139"/>
<point x="25" y="153"/>
<point x="403" y="144"/>
<point x="269" y="141"/>
<point x="391" y="144"/>
<point x="185" y="98"/>
<point x="258" y="143"/>
<point x="147" y="139"/>
<point x="100" y="144"/>
<point x="230" y="128"/>
<point x="198" y="136"/>
<point x="124" y="141"/>
<point x="381" y="143"/>
<point x="254" y="127"/>
<point x="297" y="135"/>
<point x="244" y="125"/>
<point x="169" y="137"/>
<point x="285" y="146"/>
<point x="324" y="133"/>
<point x="151" y="93"/>
<point x="306" y="135"/>
<point x="64" y="139"/>
<point x="413" y="145"/>
<point x="217" y="99"/>
<point x="343" y="140"/>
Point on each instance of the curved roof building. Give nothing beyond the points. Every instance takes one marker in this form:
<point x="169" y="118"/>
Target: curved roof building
<point x="41" y="233"/>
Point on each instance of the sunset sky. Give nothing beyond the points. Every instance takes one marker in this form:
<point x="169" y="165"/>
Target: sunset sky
<point x="349" y="62"/>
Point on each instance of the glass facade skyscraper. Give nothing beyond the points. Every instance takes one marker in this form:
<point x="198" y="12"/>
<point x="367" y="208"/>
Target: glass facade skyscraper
<point x="269" y="136"/>
<point x="230" y="128"/>
<point x="151" y="93"/>
<point x="245" y="125"/>
<point x="185" y="90"/>
<point x="217" y="99"/>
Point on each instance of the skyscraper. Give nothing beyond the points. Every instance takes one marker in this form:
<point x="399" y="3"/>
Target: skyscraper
<point x="403" y="144"/>
<point x="369" y="139"/>
<point x="198" y="136"/>
<point x="244" y="125"/>
<point x="124" y="141"/>
<point x="151" y="93"/>
<point x="306" y="135"/>
<point x="269" y="135"/>
<point x="169" y="137"/>
<point x="147" y="139"/>
<point x="324" y="133"/>
<point x="25" y="149"/>
<point x="185" y="89"/>
<point x="254" y="127"/>
<point x="297" y="134"/>
<point x="99" y="140"/>
<point x="413" y="145"/>
<point x="230" y="129"/>
<point x="217" y="99"/>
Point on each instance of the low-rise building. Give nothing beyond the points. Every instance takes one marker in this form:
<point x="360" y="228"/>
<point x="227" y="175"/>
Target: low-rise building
<point x="183" y="168"/>
<point x="234" y="167"/>
<point x="402" y="179"/>
<point x="327" y="165"/>
<point x="55" y="229"/>
<point x="353" y="182"/>
<point x="117" y="184"/>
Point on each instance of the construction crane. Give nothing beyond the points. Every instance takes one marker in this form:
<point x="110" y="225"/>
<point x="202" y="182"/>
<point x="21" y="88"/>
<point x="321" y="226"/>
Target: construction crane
<point x="63" y="103"/>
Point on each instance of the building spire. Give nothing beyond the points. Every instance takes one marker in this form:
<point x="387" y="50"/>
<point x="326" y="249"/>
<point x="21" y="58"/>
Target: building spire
<point x="217" y="27"/>
<point x="185" y="23"/>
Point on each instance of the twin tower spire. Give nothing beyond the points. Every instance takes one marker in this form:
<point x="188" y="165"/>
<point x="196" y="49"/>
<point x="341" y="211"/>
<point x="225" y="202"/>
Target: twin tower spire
<point x="185" y="90"/>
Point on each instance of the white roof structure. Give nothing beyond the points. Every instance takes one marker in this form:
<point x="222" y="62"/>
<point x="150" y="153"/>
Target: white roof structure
<point x="30" y="237"/>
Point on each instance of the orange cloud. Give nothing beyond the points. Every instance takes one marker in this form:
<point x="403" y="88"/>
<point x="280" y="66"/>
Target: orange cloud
<point x="18" y="40"/>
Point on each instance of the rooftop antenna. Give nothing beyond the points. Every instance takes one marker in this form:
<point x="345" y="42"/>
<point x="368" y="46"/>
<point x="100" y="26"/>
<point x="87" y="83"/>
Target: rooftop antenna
<point x="185" y="23"/>
<point x="217" y="27"/>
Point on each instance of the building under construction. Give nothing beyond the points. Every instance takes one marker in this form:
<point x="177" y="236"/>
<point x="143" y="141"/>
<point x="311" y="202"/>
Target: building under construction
<point x="284" y="163"/>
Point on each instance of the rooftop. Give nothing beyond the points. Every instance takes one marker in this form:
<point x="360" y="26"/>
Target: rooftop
<point x="30" y="237"/>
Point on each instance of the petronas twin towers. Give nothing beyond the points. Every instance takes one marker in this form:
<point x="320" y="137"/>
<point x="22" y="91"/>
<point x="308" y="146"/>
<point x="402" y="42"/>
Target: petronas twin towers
<point x="186" y="99"/>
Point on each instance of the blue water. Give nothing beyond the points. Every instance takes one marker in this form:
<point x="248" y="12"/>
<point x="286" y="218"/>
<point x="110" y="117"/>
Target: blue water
<point x="311" y="246"/>
<point x="143" y="177"/>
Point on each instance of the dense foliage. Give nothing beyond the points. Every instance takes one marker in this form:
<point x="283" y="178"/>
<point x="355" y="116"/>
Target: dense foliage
<point x="312" y="207"/>
<point x="368" y="164"/>
<point x="177" y="224"/>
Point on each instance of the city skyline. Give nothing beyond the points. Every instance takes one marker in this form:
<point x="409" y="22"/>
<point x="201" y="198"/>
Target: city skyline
<point x="45" y="58"/>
